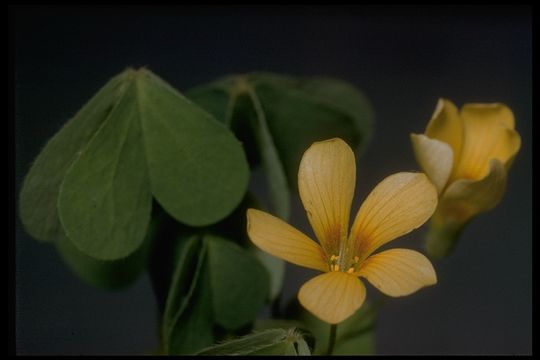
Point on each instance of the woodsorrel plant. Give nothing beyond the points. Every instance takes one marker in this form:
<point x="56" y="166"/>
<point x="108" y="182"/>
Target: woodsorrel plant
<point x="145" y="178"/>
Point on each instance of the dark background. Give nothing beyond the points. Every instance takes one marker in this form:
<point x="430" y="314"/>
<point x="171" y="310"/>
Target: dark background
<point x="404" y="58"/>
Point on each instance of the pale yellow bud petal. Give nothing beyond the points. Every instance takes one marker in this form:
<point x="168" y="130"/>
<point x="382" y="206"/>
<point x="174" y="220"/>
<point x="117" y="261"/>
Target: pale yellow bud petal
<point x="435" y="158"/>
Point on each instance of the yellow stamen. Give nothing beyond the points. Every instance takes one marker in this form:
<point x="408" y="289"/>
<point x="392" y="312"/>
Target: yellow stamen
<point x="356" y="259"/>
<point x="350" y="271"/>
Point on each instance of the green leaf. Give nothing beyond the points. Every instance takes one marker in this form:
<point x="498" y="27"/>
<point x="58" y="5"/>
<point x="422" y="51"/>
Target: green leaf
<point x="187" y="320"/>
<point x="216" y="98"/>
<point x="170" y="238"/>
<point x="346" y="98"/>
<point x="105" y="200"/>
<point x="265" y="324"/>
<point x="107" y="274"/>
<point x="39" y="194"/>
<point x="193" y="329"/>
<point x="190" y="259"/>
<point x="198" y="170"/>
<point x="302" y="114"/>
<point x="296" y="112"/>
<point x="215" y="282"/>
<point x="238" y="281"/>
<point x="137" y="138"/>
<point x="234" y="101"/>
<point x="284" y="348"/>
<point x="273" y="167"/>
<point x="234" y="228"/>
<point x="267" y="342"/>
<point x="302" y="348"/>
<point x="276" y="269"/>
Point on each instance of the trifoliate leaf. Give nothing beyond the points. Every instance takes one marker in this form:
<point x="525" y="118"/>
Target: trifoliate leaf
<point x="138" y="138"/>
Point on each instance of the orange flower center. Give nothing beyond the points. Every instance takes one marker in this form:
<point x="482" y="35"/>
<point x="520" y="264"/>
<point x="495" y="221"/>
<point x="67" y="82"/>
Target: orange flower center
<point x="351" y="265"/>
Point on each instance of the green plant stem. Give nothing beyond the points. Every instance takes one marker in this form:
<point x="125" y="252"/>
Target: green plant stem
<point x="332" y="339"/>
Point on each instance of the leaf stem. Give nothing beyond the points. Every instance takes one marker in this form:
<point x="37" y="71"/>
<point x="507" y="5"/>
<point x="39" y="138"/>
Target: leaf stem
<point x="332" y="339"/>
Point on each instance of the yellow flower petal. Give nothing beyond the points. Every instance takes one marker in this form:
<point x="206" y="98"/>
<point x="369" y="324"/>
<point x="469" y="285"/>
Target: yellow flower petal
<point x="434" y="157"/>
<point x="466" y="198"/>
<point x="489" y="134"/>
<point x="494" y="112"/>
<point x="398" y="204"/>
<point x="326" y="181"/>
<point x="280" y="239"/>
<point x="446" y="125"/>
<point x="333" y="296"/>
<point x="398" y="272"/>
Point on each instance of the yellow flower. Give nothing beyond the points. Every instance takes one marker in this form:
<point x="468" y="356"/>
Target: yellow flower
<point x="399" y="204"/>
<point x="466" y="154"/>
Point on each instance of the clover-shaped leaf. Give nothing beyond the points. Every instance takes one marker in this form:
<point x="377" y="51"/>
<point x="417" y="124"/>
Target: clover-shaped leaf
<point x="135" y="140"/>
